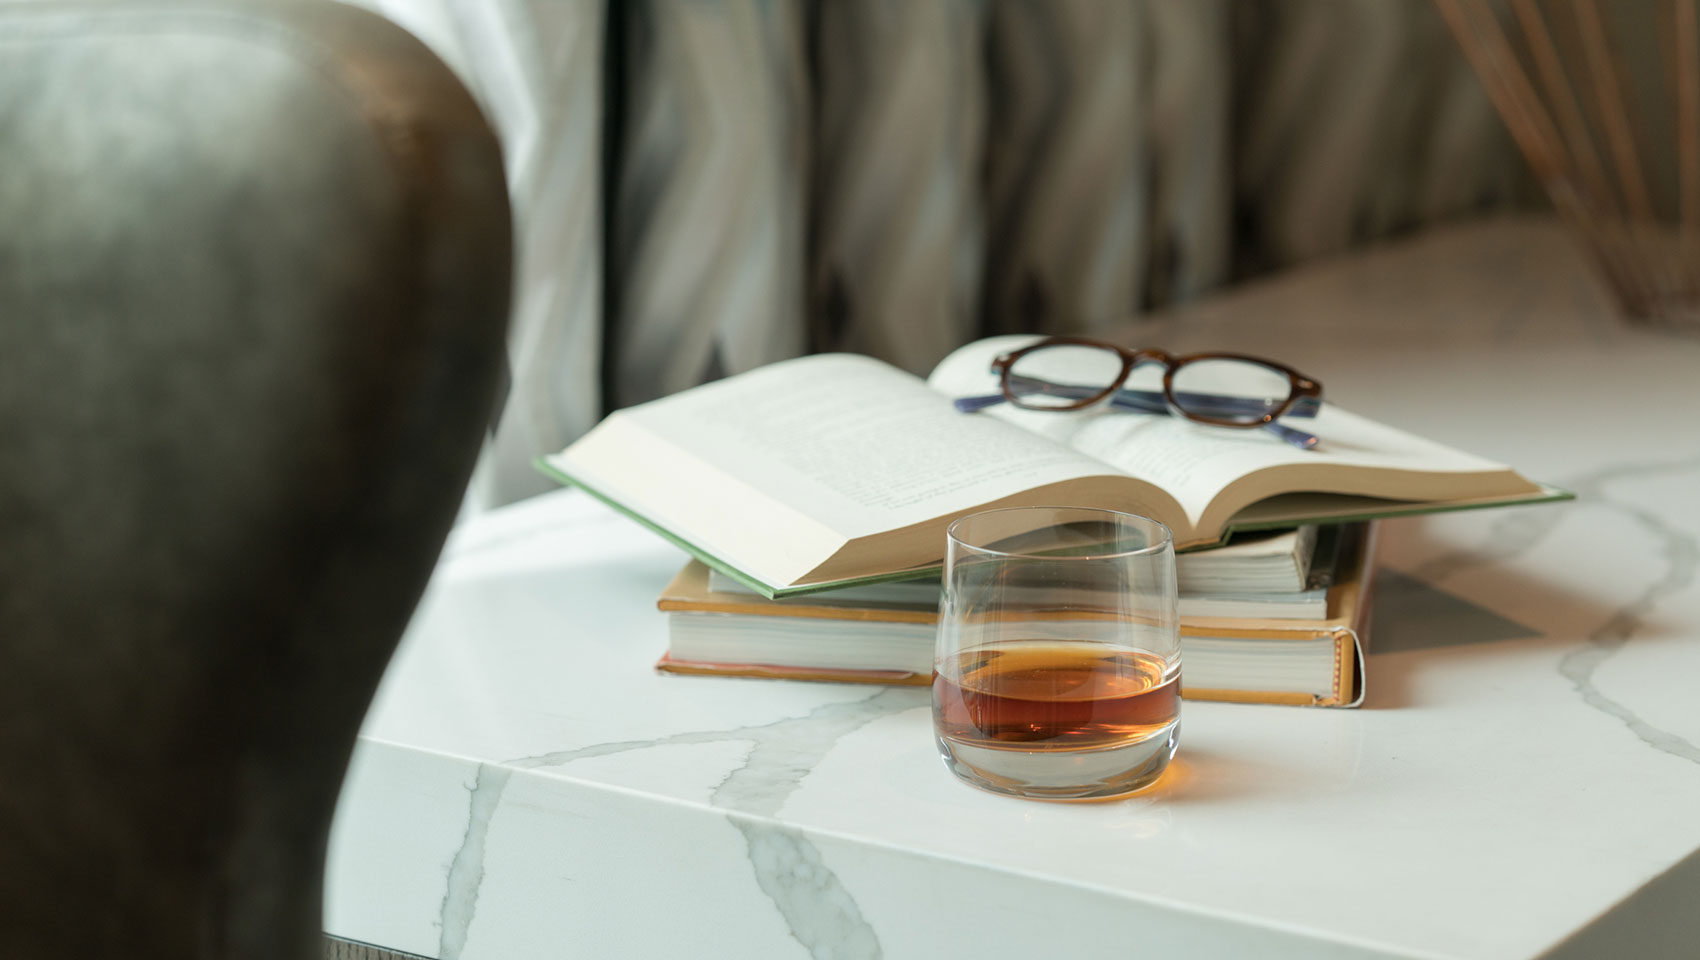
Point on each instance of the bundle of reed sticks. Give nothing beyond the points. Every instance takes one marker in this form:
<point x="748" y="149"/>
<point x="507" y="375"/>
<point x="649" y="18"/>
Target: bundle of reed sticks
<point x="1606" y="110"/>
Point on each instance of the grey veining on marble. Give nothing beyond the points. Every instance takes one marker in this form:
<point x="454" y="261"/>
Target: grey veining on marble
<point x="1681" y="555"/>
<point x="817" y="908"/>
<point x="1518" y="531"/>
<point x="820" y="913"/>
<point x="466" y="870"/>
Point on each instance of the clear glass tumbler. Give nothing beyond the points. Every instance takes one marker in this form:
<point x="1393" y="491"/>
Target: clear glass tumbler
<point x="1058" y="658"/>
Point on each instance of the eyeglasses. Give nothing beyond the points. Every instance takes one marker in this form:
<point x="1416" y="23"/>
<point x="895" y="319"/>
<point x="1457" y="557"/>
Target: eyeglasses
<point x="1220" y="389"/>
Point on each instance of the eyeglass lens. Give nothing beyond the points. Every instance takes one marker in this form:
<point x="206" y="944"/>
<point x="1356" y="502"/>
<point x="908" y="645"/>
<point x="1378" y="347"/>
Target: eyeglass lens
<point x="1063" y="375"/>
<point x="1230" y="389"/>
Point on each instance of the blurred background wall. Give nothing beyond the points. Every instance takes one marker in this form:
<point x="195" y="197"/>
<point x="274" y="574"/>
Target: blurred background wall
<point x="704" y="186"/>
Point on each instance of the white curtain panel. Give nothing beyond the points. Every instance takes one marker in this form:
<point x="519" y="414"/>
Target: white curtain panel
<point x="896" y="214"/>
<point x="704" y="186"/>
<point x="1356" y="119"/>
<point x="710" y="122"/>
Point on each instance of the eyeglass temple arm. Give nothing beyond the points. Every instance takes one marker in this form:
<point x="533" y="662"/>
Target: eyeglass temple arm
<point x="1210" y="404"/>
<point x="1298" y="438"/>
<point x="975" y="404"/>
<point x="1151" y="401"/>
<point x="1141" y="404"/>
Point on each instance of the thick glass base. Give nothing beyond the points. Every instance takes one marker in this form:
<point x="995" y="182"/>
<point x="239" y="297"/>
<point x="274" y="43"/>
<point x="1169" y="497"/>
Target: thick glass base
<point x="1062" y="774"/>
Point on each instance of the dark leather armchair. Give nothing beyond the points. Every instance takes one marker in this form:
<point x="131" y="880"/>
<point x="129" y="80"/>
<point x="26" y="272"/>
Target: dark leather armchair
<point x="254" y="263"/>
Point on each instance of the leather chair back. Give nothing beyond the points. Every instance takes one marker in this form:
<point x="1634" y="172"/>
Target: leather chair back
<point x="254" y="270"/>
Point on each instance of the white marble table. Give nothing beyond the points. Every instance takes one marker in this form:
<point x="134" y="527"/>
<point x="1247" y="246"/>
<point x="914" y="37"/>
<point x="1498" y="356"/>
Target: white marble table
<point x="1523" y="781"/>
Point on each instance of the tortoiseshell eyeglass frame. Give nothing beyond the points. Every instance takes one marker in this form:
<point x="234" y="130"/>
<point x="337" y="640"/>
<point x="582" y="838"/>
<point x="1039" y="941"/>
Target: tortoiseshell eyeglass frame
<point x="1304" y="396"/>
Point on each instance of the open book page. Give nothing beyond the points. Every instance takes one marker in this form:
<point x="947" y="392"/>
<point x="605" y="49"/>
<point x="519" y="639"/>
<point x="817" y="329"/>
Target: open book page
<point x="1199" y="464"/>
<point x="833" y="442"/>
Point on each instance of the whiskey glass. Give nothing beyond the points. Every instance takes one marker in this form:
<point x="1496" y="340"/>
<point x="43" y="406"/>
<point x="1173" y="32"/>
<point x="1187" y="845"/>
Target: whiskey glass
<point x="1057" y="667"/>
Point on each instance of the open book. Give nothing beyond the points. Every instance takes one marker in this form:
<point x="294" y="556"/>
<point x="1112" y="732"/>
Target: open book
<point x="833" y="469"/>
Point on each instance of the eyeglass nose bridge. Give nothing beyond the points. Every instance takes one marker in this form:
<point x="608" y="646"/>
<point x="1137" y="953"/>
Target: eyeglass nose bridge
<point x="1134" y="359"/>
<point x="1168" y="362"/>
<point x="1137" y="358"/>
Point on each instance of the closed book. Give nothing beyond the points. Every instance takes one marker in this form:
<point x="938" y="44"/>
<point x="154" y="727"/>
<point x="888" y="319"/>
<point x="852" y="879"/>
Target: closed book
<point x="1274" y="575"/>
<point x="1263" y="660"/>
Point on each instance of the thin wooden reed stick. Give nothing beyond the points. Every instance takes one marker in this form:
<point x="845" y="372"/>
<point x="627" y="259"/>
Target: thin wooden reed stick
<point x="1598" y="198"/>
<point x="1688" y="110"/>
<point x="1565" y="106"/>
<point x="1614" y="117"/>
<point x="1641" y="237"/>
<point x="1688" y="139"/>
<point x="1573" y="109"/>
<point x="1524" y="124"/>
<point x="1489" y="52"/>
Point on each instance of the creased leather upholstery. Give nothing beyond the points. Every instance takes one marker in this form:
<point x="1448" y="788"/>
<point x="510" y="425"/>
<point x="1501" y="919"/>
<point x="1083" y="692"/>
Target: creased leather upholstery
<point x="254" y="269"/>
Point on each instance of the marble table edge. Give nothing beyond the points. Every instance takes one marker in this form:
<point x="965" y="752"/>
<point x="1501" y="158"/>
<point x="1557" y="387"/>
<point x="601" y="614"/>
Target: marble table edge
<point x="778" y="850"/>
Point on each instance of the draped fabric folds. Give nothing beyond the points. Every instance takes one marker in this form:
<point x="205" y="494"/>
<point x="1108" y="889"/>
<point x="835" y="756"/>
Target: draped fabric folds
<point x="897" y="226"/>
<point x="704" y="186"/>
<point x="705" y="238"/>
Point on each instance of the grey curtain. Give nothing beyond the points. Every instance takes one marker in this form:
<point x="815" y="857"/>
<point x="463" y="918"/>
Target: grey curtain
<point x="704" y="186"/>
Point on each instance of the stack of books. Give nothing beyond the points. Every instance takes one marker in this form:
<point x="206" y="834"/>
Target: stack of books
<point x="1272" y="618"/>
<point x="812" y="491"/>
